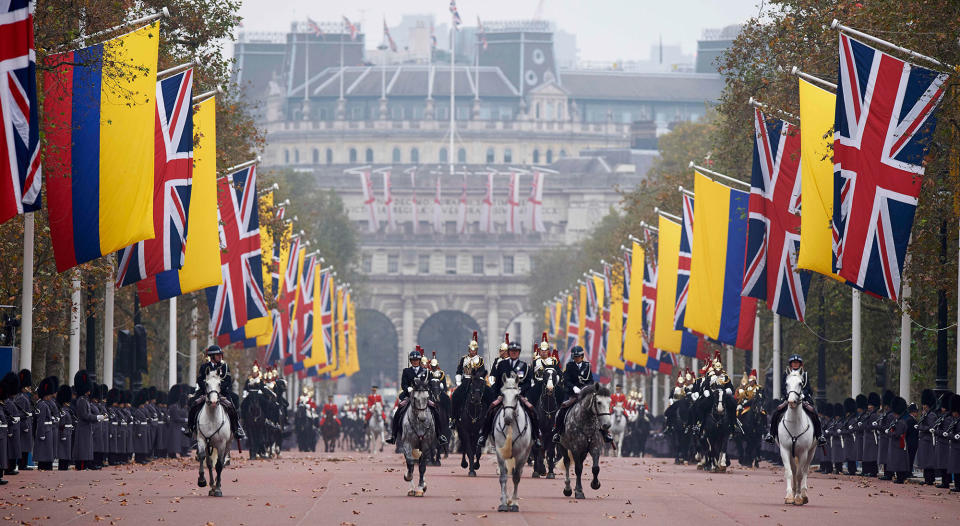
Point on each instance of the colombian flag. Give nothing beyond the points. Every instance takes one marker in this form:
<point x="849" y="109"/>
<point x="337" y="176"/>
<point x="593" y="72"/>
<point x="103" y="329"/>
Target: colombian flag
<point x="668" y="257"/>
<point x="201" y="261"/>
<point x="715" y="307"/>
<point x="99" y="109"/>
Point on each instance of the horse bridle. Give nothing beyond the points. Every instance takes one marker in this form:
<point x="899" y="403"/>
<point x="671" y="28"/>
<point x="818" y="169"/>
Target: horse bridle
<point x="514" y="407"/>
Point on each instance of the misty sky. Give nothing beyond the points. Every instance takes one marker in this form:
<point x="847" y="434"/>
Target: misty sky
<point x="606" y="30"/>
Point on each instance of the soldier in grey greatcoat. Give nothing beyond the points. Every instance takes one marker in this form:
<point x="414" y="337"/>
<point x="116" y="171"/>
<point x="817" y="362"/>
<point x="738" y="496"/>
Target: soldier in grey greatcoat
<point x="131" y="426"/>
<point x="952" y="434"/>
<point x="46" y="418"/>
<point x="871" y="435"/>
<point x="65" y="428"/>
<point x="858" y="432"/>
<point x="4" y="431"/>
<point x="113" y="431"/>
<point x="848" y="431"/>
<point x="926" y="456"/>
<point x="87" y="419"/>
<point x="837" y="442"/>
<point x="883" y="446"/>
<point x="24" y="402"/>
<point x="141" y="428"/>
<point x="898" y="457"/>
<point x="11" y="386"/>
<point x="822" y="454"/>
<point x="941" y="446"/>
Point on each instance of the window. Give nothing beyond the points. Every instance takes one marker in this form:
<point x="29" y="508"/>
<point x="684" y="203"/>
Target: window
<point x="443" y="155"/>
<point x="329" y="156"/>
<point x="537" y="111"/>
<point x="461" y="155"/>
<point x="414" y="156"/>
<point x="296" y="156"/>
<point x="396" y="155"/>
<point x="549" y="156"/>
<point x="549" y="111"/>
<point x="366" y="263"/>
<point x="369" y="155"/>
<point x="563" y="153"/>
<point x="286" y="157"/>
<point x="316" y="156"/>
<point x="507" y="155"/>
<point x="490" y="158"/>
<point x="393" y="264"/>
<point x="451" y="264"/>
<point x="353" y="155"/>
<point x="478" y="264"/>
<point x="536" y="156"/>
<point x="508" y="264"/>
<point x="423" y="264"/>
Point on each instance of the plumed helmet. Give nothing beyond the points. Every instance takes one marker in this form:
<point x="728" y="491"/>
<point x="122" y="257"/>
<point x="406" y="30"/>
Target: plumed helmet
<point x="26" y="379"/>
<point x="795" y="358"/>
<point x="45" y="388"/>
<point x="899" y="405"/>
<point x="887" y="397"/>
<point x="420" y="350"/>
<point x="81" y="382"/>
<point x="861" y="401"/>
<point x="955" y="403"/>
<point x="850" y="405"/>
<point x="927" y="398"/>
<point x="753" y="374"/>
<point x="414" y="355"/>
<point x="473" y="345"/>
<point x="873" y="399"/>
<point x="214" y="349"/>
<point x="506" y="342"/>
<point x="544" y="343"/>
<point x="113" y="396"/>
<point x="64" y="395"/>
<point x="576" y="351"/>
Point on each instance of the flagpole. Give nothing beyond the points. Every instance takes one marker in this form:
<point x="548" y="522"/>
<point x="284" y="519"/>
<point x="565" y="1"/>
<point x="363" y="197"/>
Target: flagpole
<point x="776" y="355"/>
<point x="755" y="355"/>
<point x="306" y="67"/>
<point x="855" y="345"/>
<point x="172" y="345"/>
<point x="74" y="360"/>
<point x="26" y="309"/>
<point x="342" y="35"/>
<point x="108" y="315"/>
<point x="654" y="399"/>
<point x="453" y="55"/>
<point x="905" y="342"/>
<point x="193" y="345"/>
<point x="476" y="95"/>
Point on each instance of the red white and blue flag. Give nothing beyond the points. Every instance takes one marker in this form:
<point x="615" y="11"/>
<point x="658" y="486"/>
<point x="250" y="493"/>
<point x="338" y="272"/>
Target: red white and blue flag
<point x="277" y="348"/>
<point x="172" y="182"/>
<point x="455" y="13"/>
<point x="773" y="231"/>
<point x="326" y="314"/>
<point x="350" y="27"/>
<point x="573" y="327"/>
<point x="20" y="142"/>
<point x="301" y="331"/>
<point x="314" y="27"/>
<point x="240" y="297"/>
<point x="885" y="118"/>
<point x="388" y="38"/>
<point x="683" y="266"/>
<point x="593" y="326"/>
<point x="649" y="296"/>
<point x="286" y="301"/>
<point x="481" y="34"/>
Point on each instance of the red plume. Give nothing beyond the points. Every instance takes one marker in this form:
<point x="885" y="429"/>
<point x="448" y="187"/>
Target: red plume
<point x="506" y="338"/>
<point x="544" y="337"/>
<point x="556" y="355"/>
<point x="434" y="354"/>
<point x="474" y="335"/>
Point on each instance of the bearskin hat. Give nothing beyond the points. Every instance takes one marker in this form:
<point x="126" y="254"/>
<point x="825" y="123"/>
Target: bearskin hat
<point x="955" y="403"/>
<point x="64" y="395"/>
<point x="26" y="379"/>
<point x="826" y="409"/>
<point x="838" y="409"/>
<point x="899" y="405"/>
<point x="873" y="399"/>
<point x="888" y="397"/>
<point x="850" y="406"/>
<point x="912" y="408"/>
<point x="46" y="387"/>
<point x="81" y="382"/>
<point x="140" y="398"/>
<point x="861" y="401"/>
<point x="126" y="396"/>
<point x="113" y="396"/>
<point x="174" y="395"/>
<point x="927" y="397"/>
<point x="11" y="384"/>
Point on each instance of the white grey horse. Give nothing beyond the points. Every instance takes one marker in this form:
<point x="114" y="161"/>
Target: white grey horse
<point x="797" y="445"/>
<point x="581" y="435"/>
<point x="513" y="438"/>
<point x="375" y="428"/>
<point x="213" y="435"/>
<point x="418" y="436"/>
<point x="618" y="427"/>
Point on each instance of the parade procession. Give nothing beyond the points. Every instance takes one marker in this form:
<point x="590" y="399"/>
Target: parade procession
<point x="291" y="263"/>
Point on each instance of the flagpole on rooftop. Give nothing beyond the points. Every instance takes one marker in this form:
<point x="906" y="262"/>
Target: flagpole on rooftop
<point x="453" y="123"/>
<point x="26" y="311"/>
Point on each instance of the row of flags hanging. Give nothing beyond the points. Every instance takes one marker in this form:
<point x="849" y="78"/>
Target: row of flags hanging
<point x="855" y="158"/>
<point x="518" y="217"/>
<point x="130" y="168"/>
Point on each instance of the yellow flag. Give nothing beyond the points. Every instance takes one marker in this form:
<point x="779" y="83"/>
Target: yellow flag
<point x="341" y="335"/>
<point x="614" y="356"/>
<point x="816" y="179"/>
<point x="668" y="256"/>
<point x="564" y="345"/>
<point x="633" y="335"/>
<point x="708" y="262"/>
<point x="352" y="336"/>
<point x="582" y="314"/>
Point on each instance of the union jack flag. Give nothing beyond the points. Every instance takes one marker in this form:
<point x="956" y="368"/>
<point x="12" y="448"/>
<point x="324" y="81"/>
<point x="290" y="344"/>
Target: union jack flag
<point x="240" y="297"/>
<point x="773" y="237"/>
<point x="370" y="200"/>
<point x="885" y="118"/>
<point x="172" y="182"/>
<point x="593" y="326"/>
<point x="275" y="254"/>
<point x="277" y="348"/>
<point x="314" y="27"/>
<point x="20" y="140"/>
<point x="649" y="295"/>
<point x="287" y="301"/>
<point x="482" y="34"/>
<point x="573" y="326"/>
<point x="456" y="15"/>
<point x="665" y="361"/>
<point x="351" y="28"/>
<point x="389" y="39"/>
<point x="326" y="314"/>
<point x="683" y="266"/>
<point x="301" y="331"/>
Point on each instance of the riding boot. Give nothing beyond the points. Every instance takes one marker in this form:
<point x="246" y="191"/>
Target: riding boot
<point x="395" y="423"/>
<point x="534" y="428"/>
<point x="774" y="422"/>
<point x="487" y="425"/>
<point x="558" y="425"/>
<point x="439" y="425"/>
<point x="191" y="427"/>
<point x="235" y="428"/>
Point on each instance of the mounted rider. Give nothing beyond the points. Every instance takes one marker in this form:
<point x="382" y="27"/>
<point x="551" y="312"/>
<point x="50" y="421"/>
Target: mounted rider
<point x="254" y="380"/>
<point x="411" y="373"/>
<point x="331" y="410"/>
<point x="806" y="397"/>
<point x="471" y="365"/>
<point x="435" y="373"/>
<point x="491" y="379"/>
<point x="576" y="376"/>
<point x="511" y="364"/>
<point x="215" y="364"/>
<point x="618" y="397"/>
<point x="373" y="399"/>
<point x="546" y="359"/>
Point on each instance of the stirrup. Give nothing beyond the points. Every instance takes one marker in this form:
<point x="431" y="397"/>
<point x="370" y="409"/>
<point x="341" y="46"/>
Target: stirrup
<point x="392" y="440"/>
<point x="821" y="441"/>
<point x="768" y="438"/>
<point x="442" y="439"/>
<point x="556" y="438"/>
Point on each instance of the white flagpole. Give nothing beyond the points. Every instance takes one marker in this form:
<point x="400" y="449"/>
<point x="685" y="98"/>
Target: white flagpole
<point x="26" y="314"/>
<point x="654" y="399"/>
<point x="342" y="35"/>
<point x="855" y="346"/>
<point x="453" y="122"/>
<point x="905" y="342"/>
<point x="755" y="355"/>
<point x="666" y="390"/>
<point x="306" y="68"/>
<point x="74" y="363"/>
<point x="729" y="366"/>
<point x="108" y="307"/>
<point x="193" y="346"/>
<point x="776" y="355"/>
<point x="172" y="345"/>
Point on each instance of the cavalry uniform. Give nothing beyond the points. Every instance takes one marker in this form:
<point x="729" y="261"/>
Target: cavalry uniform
<point x="330" y="410"/>
<point x="504" y="368"/>
<point x="372" y="400"/>
<point x="806" y="399"/>
<point x="576" y="376"/>
<point x="407" y="379"/>
<point x="469" y="367"/>
<point x="226" y="389"/>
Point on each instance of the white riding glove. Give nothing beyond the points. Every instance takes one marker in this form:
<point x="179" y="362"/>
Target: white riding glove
<point x="576" y="390"/>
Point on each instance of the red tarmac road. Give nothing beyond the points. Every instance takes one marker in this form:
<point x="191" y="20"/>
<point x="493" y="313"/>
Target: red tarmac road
<point x="346" y="489"/>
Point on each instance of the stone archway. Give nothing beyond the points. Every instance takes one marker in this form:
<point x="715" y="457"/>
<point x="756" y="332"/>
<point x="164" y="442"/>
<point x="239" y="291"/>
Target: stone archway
<point x="377" y="347"/>
<point x="448" y="332"/>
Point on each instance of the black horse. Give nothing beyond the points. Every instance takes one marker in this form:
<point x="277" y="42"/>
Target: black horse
<point x="715" y="413"/>
<point x="678" y="427"/>
<point x="305" y="423"/>
<point x="253" y="415"/>
<point x="470" y="420"/>
<point x="635" y="439"/>
<point x="546" y="396"/>
<point x="754" y="423"/>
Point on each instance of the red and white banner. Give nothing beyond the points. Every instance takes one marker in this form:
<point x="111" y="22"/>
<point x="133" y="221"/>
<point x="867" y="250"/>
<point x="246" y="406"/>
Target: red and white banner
<point x="370" y="200"/>
<point x="462" y="210"/>
<point x="437" y="215"/>
<point x="486" y="208"/>
<point x="388" y="201"/>
<point x="413" y="185"/>
<point x="513" y="204"/>
<point x="535" y="204"/>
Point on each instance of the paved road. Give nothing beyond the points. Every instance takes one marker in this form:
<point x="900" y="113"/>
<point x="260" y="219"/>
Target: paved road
<point x="357" y="489"/>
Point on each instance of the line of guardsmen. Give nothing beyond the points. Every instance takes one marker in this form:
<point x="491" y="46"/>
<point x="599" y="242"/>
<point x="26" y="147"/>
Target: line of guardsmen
<point x="889" y="438"/>
<point x="86" y="425"/>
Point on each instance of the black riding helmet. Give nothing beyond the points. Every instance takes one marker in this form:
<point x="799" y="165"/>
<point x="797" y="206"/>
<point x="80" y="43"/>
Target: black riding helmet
<point x="414" y="355"/>
<point x="576" y="351"/>
<point x="214" y="349"/>
<point x="795" y="358"/>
